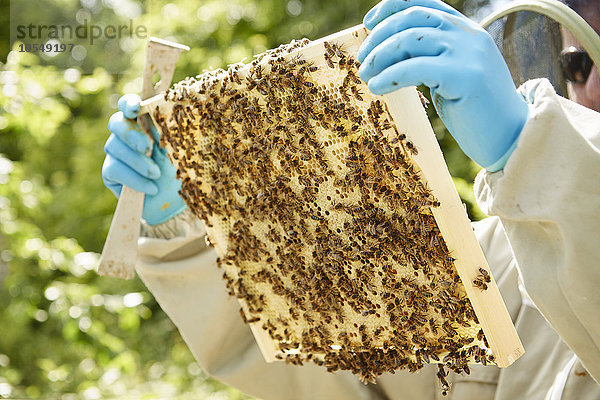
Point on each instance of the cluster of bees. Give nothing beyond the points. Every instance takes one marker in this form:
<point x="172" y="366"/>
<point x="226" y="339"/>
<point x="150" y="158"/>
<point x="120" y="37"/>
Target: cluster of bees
<point x="320" y="217"/>
<point x="482" y="279"/>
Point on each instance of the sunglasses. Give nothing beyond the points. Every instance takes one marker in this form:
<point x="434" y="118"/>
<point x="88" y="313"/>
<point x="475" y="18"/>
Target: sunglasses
<point x="575" y="64"/>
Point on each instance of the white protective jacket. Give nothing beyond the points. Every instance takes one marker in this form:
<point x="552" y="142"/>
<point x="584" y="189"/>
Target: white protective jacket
<point x="542" y="244"/>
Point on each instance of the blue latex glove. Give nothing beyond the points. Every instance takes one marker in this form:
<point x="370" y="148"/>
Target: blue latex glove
<point x="126" y="163"/>
<point x="415" y="42"/>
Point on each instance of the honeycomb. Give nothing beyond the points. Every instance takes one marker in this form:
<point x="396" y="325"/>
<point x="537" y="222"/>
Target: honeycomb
<point x="321" y="218"/>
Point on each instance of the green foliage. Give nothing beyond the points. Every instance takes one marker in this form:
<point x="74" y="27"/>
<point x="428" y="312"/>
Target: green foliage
<point x="66" y="330"/>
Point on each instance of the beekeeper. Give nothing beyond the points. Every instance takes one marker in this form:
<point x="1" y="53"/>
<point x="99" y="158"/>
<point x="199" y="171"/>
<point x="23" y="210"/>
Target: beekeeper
<point x="540" y="185"/>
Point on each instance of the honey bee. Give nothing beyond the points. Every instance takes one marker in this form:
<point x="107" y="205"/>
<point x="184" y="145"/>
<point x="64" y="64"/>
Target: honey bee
<point x="411" y="147"/>
<point x="485" y="275"/>
<point x="434" y="325"/>
<point x="480" y="284"/>
<point x="328" y="60"/>
<point x="357" y="93"/>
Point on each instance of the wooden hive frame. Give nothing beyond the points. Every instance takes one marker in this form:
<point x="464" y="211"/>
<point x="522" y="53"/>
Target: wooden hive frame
<point x="406" y="110"/>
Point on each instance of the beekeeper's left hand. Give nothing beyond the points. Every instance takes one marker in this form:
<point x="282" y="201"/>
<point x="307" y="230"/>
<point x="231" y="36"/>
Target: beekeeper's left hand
<point x="126" y="163"/>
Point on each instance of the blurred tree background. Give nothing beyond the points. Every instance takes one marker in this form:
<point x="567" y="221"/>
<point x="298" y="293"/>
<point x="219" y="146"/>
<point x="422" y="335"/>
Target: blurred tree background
<point x="66" y="332"/>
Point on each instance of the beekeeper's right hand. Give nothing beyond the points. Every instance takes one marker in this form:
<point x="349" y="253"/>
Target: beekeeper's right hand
<point x="126" y="163"/>
<point x="415" y="42"/>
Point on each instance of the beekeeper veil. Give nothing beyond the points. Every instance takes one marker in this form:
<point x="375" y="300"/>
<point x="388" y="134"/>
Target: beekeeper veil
<point x="536" y="38"/>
